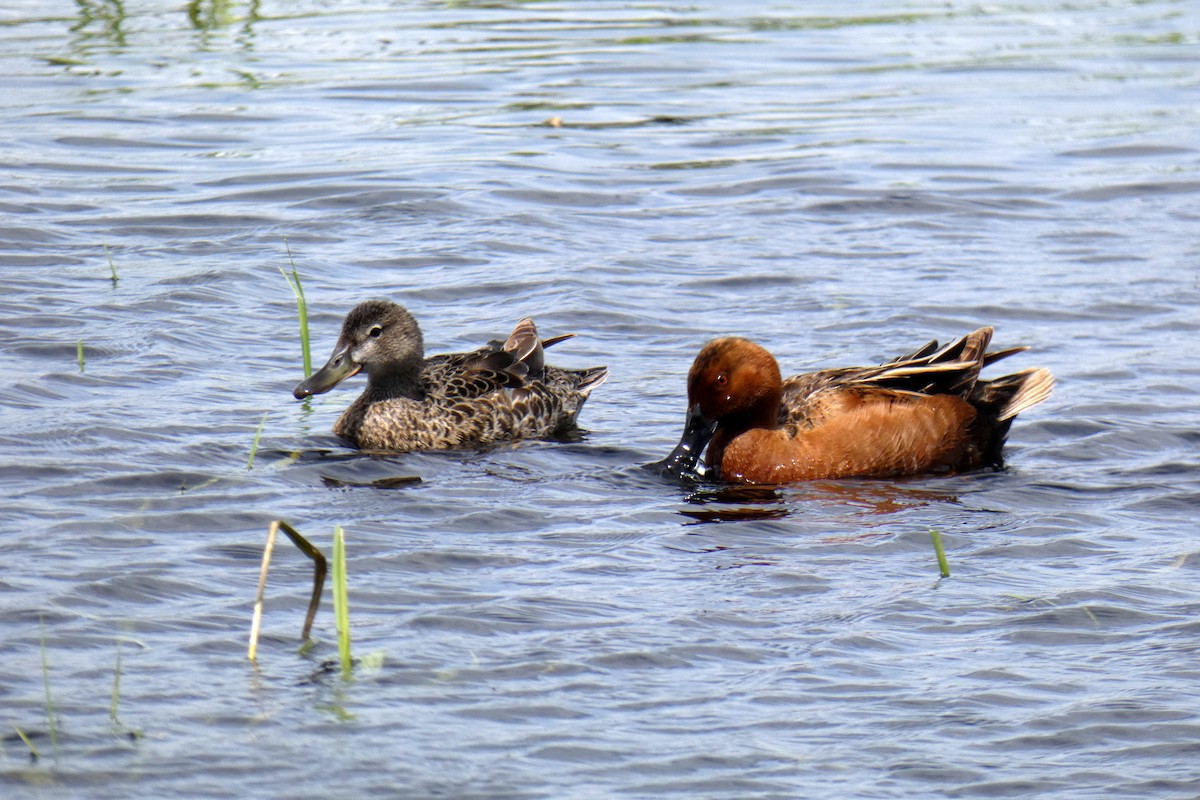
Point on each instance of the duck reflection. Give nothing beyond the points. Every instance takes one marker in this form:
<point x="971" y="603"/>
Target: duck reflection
<point x="738" y="502"/>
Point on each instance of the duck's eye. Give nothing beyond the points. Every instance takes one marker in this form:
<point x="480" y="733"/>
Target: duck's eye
<point x="375" y="332"/>
<point x="722" y="378"/>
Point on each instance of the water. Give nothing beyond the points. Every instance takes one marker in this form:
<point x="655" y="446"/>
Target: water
<point x="839" y="181"/>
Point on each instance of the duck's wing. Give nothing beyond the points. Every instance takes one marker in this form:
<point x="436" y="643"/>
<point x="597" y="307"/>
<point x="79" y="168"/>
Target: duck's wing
<point x="950" y="370"/>
<point x="513" y="363"/>
<point x="475" y="374"/>
<point x="527" y="347"/>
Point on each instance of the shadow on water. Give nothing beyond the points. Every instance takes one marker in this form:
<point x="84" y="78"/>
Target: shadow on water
<point x="739" y="503"/>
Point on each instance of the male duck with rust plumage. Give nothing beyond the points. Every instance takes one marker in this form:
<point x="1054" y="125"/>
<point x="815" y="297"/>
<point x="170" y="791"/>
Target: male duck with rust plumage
<point x="924" y="412"/>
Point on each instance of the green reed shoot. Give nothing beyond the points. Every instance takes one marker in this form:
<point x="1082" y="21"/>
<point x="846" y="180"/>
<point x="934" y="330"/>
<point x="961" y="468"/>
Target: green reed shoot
<point x="33" y="751"/>
<point x="79" y="353"/>
<point x="341" y="609"/>
<point x="943" y="565"/>
<point x="111" y="266"/>
<point x="254" y="444"/>
<point x="51" y="717"/>
<point x="301" y="309"/>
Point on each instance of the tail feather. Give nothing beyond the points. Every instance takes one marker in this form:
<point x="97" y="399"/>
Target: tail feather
<point x="954" y="369"/>
<point x="525" y="345"/>
<point x="590" y="378"/>
<point x="921" y="352"/>
<point x="1032" y="386"/>
<point x="992" y="358"/>
<point x="975" y="344"/>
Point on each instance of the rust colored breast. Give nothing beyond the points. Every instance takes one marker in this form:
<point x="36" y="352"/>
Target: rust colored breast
<point x="859" y="434"/>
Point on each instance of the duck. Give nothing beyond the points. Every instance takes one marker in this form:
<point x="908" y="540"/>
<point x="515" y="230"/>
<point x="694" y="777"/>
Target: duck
<point x="501" y="392"/>
<point x="926" y="412"/>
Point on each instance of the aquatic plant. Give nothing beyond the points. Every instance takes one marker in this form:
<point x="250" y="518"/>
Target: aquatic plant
<point x="341" y="609"/>
<point x="79" y="353"/>
<point x="111" y="266"/>
<point x="51" y="717"/>
<point x="320" y="569"/>
<point x="254" y="443"/>
<point x="33" y="751"/>
<point x="115" y="703"/>
<point x="943" y="565"/>
<point x="119" y="728"/>
<point x="293" y="281"/>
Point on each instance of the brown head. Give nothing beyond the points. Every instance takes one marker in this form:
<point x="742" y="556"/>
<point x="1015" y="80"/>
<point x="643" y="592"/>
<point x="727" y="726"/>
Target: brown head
<point x="734" y="385"/>
<point x="736" y="382"/>
<point x="378" y="337"/>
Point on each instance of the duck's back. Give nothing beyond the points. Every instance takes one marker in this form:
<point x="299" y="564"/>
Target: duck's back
<point x="470" y="400"/>
<point x="927" y="411"/>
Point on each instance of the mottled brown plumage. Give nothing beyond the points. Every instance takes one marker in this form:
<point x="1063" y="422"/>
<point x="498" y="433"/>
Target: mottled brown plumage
<point x="501" y="392"/>
<point x="927" y="411"/>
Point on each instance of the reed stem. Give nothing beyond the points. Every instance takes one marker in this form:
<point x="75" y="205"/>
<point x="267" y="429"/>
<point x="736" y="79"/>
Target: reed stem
<point x="341" y="608"/>
<point x="111" y="266"/>
<point x="51" y="717"/>
<point x="115" y="703"/>
<point x="254" y="444"/>
<point x="320" y="569"/>
<point x="293" y="280"/>
<point x="943" y="565"/>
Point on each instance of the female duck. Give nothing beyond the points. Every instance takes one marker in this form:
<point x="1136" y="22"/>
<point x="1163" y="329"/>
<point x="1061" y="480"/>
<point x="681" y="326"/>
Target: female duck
<point x="927" y="411"/>
<point x="501" y="392"/>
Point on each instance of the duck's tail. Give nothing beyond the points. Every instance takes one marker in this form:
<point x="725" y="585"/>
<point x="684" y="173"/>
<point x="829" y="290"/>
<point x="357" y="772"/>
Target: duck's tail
<point x="999" y="401"/>
<point x="589" y="379"/>
<point x="1012" y="394"/>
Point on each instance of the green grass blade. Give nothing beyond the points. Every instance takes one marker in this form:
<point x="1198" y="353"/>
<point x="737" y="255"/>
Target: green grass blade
<point x="341" y="609"/>
<point x="293" y="281"/>
<point x="254" y="444"/>
<point x="51" y="717"/>
<point x="33" y="751"/>
<point x="943" y="565"/>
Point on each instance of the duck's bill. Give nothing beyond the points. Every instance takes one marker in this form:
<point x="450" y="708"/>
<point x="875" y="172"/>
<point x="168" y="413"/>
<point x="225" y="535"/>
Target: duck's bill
<point x="698" y="430"/>
<point x="339" y="367"/>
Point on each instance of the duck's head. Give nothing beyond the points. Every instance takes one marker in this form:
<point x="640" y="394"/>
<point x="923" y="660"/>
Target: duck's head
<point x="378" y="337"/>
<point x="734" y="385"/>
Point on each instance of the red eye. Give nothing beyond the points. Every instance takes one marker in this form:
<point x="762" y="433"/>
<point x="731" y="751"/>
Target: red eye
<point x="722" y="379"/>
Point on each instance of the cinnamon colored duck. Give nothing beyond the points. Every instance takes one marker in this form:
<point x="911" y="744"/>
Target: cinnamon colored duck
<point x="924" y="412"/>
<point x="501" y="392"/>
